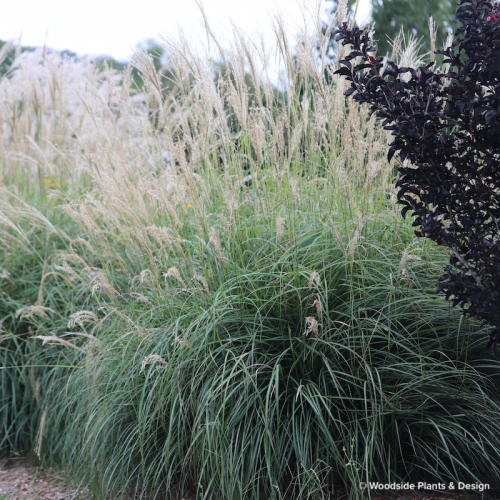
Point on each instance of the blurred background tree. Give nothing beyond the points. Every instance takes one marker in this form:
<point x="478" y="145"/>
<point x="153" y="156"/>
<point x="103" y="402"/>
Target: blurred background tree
<point x="390" y="16"/>
<point x="412" y="16"/>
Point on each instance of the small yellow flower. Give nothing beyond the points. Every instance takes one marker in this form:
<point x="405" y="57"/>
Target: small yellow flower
<point x="189" y="205"/>
<point x="49" y="183"/>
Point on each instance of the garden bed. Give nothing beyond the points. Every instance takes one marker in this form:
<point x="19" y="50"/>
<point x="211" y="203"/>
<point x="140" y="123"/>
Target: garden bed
<point x="19" y="480"/>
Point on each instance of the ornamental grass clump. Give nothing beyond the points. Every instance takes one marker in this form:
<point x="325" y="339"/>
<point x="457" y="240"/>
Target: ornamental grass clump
<point x="445" y="127"/>
<point x="292" y="369"/>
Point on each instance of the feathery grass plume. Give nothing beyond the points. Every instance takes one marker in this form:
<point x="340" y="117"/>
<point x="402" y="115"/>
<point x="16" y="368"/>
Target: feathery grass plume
<point x="144" y="277"/>
<point x="72" y="275"/>
<point x="445" y="68"/>
<point x="406" y="256"/>
<point x="357" y="237"/>
<point x="54" y="340"/>
<point x="312" y="326"/>
<point x="174" y="272"/>
<point x="140" y="297"/>
<point x="39" y="436"/>
<point x="407" y="52"/>
<point x="315" y="278"/>
<point x="232" y="205"/>
<point x="143" y="61"/>
<point x="432" y="38"/>
<point x="5" y="275"/>
<point x="34" y="311"/>
<point x="73" y="258"/>
<point x="285" y="50"/>
<point x="215" y="241"/>
<point x="101" y="286"/>
<point x="201" y="279"/>
<point x="257" y="134"/>
<point x="280" y="228"/>
<point x="82" y="317"/>
<point x="152" y="358"/>
<point x="318" y="305"/>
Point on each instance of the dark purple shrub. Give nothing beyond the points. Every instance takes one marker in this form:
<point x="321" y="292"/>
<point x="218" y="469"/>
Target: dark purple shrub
<point x="448" y="127"/>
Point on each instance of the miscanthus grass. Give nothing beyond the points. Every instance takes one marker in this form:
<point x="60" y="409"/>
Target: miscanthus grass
<point x="209" y="292"/>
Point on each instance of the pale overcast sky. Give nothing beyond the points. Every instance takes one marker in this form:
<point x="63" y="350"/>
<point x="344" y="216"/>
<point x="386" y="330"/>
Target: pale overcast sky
<point x="115" y="27"/>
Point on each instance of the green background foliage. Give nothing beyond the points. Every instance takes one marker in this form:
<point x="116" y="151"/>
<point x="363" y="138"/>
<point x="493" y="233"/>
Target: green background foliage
<point x="389" y="17"/>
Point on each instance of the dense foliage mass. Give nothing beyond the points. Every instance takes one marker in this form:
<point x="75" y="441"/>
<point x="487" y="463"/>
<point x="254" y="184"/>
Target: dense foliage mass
<point x="446" y="127"/>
